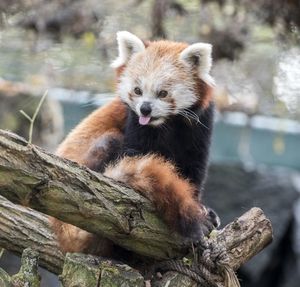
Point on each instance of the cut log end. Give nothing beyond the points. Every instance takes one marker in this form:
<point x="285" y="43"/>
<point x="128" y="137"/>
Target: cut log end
<point x="246" y="236"/>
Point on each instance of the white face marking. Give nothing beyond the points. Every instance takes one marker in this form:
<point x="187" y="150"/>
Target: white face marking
<point x="153" y="70"/>
<point x="152" y="75"/>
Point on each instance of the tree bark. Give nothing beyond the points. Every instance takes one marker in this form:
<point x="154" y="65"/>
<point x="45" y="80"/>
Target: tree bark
<point x="74" y="194"/>
<point x="243" y="238"/>
<point x="22" y="227"/>
<point x="159" y="11"/>
<point x="28" y="274"/>
<point x="5" y="280"/>
<point x="86" y="199"/>
<point x="88" y="271"/>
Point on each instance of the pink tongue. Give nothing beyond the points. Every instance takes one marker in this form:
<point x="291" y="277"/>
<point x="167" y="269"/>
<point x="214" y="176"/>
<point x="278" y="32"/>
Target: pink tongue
<point x="144" y="120"/>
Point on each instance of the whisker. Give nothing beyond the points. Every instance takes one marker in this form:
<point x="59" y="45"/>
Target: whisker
<point x="194" y="116"/>
<point x="185" y="116"/>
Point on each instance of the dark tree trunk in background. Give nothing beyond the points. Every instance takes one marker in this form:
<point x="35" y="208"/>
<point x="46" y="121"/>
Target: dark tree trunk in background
<point x="159" y="11"/>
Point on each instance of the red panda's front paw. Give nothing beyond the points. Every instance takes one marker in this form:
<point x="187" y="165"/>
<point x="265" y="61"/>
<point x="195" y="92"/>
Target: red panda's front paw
<point x="197" y="227"/>
<point x="213" y="217"/>
<point x="103" y="150"/>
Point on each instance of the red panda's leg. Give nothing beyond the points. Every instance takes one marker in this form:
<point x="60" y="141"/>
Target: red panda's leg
<point x="103" y="150"/>
<point x="109" y="118"/>
<point x="158" y="180"/>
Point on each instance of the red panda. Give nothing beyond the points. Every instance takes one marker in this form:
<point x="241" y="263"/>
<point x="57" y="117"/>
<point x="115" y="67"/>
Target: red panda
<point x="154" y="136"/>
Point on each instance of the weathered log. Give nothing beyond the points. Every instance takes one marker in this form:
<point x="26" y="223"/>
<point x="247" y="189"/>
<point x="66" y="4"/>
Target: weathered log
<point x="28" y="274"/>
<point x="243" y="238"/>
<point x="78" y="270"/>
<point x="76" y="195"/>
<point x="22" y="227"/>
<point x="5" y="280"/>
<point x="86" y="199"/>
<point x="88" y="271"/>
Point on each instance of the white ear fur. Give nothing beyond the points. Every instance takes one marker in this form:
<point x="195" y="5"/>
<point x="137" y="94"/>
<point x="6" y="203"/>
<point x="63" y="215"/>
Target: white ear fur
<point x="199" y="56"/>
<point x="128" y="44"/>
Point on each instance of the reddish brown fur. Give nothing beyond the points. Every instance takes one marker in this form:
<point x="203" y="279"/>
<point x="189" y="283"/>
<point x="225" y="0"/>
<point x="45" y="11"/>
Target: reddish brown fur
<point x="158" y="180"/>
<point x="205" y="93"/>
<point x="172" y="102"/>
<point x="153" y="176"/>
<point x="101" y="148"/>
<point x="109" y="118"/>
<point x="74" y="239"/>
<point x="119" y="71"/>
<point x="173" y="49"/>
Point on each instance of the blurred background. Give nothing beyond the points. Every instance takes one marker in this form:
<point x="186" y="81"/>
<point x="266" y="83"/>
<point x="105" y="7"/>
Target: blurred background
<point x="66" y="46"/>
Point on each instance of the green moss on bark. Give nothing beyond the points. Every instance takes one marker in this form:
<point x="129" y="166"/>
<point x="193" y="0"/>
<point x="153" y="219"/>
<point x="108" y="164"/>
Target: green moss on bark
<point x="80" y="271"/>
<point x="5" y="280"/>
<point x="28" y="275"/>
<point x="90" y="271"/>
<point x="115" y="275"/>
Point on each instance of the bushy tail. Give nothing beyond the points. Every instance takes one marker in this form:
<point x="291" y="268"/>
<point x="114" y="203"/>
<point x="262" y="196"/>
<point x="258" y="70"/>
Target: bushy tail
<point x="173" y="196"/>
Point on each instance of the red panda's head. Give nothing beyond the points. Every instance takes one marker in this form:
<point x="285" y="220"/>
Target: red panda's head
<point x="163" y="78"/>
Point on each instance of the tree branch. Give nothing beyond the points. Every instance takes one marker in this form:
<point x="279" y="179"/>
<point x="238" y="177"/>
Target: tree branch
<point x="76" y="195"/>
<point x="22" y="227"/>
<point x="86" y="199"/>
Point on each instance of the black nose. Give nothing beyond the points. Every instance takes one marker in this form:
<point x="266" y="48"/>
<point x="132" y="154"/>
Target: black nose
<point x="146" y="109"/>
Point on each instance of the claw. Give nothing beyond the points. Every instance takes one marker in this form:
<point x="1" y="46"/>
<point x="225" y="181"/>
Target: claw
<point x="214" y="218"/>
<point x="197" y="229"/>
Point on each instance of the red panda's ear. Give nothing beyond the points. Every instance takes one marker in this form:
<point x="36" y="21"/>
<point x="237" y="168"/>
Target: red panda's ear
<point x="198" y="56"/>
<point x="128" y="44"/>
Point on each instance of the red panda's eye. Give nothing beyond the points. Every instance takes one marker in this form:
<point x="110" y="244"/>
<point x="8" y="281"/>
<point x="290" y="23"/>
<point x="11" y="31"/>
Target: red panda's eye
<point x="162" y="94"/>
<point x="138" y="91"/>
